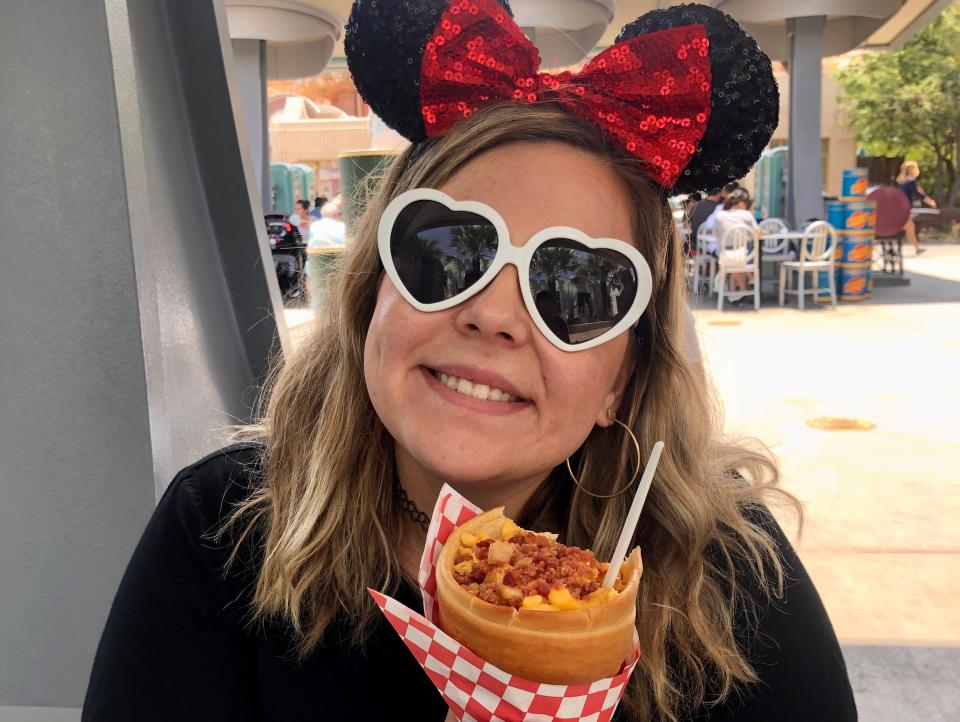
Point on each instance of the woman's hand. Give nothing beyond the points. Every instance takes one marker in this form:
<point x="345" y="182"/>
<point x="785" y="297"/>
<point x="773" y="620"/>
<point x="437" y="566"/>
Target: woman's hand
<point x="927" y="200"/>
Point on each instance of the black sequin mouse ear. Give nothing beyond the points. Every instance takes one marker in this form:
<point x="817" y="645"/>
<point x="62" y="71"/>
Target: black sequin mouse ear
<point x="384" y="43"/>
<point x="745" y="100"/>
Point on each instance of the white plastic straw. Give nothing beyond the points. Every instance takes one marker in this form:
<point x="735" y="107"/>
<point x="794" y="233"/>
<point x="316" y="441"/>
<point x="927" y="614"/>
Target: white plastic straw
<point x="633" y="516"/>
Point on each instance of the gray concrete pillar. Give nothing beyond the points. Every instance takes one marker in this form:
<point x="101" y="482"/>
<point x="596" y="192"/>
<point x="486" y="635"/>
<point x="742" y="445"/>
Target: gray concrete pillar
<point x="805" y="179"/>
<point x="250" y="73"/>
<point x="138" y="306"/>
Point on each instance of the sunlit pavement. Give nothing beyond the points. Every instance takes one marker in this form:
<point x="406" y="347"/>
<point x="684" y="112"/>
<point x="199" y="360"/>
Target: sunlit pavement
<point x="882" y="534"/>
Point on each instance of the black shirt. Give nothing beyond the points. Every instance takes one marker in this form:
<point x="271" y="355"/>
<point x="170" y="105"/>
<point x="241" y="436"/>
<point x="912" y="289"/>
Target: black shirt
<point x="175" y="646"/>
<point x="912" y="190"/>
<point x="700" y="213"/>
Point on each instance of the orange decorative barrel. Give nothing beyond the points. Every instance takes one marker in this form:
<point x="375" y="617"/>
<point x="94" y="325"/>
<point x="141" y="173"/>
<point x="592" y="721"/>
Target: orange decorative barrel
<point x="854" y="248"/>
<point x="852" y="215"/>
<point x="853" y="183"/>
<point x="855" y="281"/>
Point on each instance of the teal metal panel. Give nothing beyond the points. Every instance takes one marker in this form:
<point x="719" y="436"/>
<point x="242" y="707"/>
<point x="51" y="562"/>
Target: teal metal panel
<point x="281" y="188"/>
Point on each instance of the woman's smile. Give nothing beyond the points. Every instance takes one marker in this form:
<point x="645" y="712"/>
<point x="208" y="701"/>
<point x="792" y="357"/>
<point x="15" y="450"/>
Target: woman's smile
<point x="463" y="392"/>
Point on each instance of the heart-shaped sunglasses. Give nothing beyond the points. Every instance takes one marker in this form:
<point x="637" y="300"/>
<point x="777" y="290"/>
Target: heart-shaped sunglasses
<point x="579" y="291"/>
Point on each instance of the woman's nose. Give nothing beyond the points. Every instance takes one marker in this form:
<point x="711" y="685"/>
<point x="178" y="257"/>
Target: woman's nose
<point x="497" y="313"/>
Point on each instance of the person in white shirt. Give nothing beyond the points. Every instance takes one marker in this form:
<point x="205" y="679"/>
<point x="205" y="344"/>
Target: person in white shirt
<point x="329" y="230"/>
<point x="736" y="212"/>
<point x="302" y="219"/>
<point x="710" y="223"/>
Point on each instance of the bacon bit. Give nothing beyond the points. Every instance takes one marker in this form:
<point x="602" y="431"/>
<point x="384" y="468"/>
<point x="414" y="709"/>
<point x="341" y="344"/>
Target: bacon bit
<point x="462" y="558"/>
<point x="488" y="595"/>
<point x="536" y="565"/>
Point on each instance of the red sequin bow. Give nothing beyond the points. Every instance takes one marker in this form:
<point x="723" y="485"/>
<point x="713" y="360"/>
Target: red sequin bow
<point x="651" y="92"/>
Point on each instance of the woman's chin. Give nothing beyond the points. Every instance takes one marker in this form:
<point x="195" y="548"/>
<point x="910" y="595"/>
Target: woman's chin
<point x="465" y="474"/>
<point x="463" y="457"/>
<point x="485" y="469"/>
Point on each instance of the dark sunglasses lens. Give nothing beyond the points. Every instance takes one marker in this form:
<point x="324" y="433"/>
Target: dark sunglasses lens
<point x="581" y="292"/>
<point x="438" y="252"/>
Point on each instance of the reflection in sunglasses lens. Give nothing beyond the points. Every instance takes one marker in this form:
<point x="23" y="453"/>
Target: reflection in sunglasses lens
<point x="581" y="292"/>
<point x="439" y="252"/>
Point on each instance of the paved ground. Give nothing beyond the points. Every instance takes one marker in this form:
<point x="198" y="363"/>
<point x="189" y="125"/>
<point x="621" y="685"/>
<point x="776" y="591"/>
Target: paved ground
<point x="882" y="538"/>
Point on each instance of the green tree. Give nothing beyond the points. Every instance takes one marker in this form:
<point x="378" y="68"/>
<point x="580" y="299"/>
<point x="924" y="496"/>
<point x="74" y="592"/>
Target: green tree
<point x="552" y="264"/>
<point x="599" y="271"/>
<point x="478" y="242"/>
<point x="907" y="102"/>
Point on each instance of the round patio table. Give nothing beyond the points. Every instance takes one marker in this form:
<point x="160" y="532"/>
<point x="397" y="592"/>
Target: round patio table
<point x="781" y="236"/>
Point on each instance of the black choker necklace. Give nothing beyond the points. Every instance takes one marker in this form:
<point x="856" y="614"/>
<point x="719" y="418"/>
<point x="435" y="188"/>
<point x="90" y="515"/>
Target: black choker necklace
<point x="406" y="503"/>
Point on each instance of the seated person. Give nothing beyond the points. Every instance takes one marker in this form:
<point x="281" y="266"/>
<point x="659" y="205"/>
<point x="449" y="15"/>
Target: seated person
<point x="735" y="213"/>
<point x="703" y="210"/>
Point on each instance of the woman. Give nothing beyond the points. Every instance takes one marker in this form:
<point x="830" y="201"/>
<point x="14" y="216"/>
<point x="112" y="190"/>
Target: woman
<point x="302" y="219"/>
<point x="736" y="212"/>
<point x="270" y="619"/>
<point x="907" y="182"/>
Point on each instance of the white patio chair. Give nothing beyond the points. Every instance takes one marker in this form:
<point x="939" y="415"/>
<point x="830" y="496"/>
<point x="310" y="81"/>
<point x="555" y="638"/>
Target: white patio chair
<point x="816" y="254"/>
<point x="705" y="265"/>
<point x="775" y="250"/>
<point x="690" y="264"/>
<point x="774" y="225"/>
<point x="684" y="232"/>
<point x="738" y="254"/>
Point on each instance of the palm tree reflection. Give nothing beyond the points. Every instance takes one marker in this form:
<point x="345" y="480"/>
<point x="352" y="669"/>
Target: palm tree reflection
<point x="553" y="264"/>
<point x="475" y="247"/>
<point x="596" y="271"/>
<point x="589" y="285"/>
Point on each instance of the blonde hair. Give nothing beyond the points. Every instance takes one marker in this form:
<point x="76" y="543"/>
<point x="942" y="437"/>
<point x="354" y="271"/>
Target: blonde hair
<point x="326" y="519"/>
<point x="908" y="169"/>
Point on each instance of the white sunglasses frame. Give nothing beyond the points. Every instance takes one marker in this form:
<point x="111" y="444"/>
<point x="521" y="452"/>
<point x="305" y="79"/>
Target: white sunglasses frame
<point x="519" y="257"/>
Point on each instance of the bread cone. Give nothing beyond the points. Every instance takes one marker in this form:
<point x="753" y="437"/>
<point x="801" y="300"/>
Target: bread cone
<point x="574" y="646"/>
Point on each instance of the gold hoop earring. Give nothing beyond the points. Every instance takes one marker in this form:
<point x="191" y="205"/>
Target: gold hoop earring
<point x="636" y="471"/>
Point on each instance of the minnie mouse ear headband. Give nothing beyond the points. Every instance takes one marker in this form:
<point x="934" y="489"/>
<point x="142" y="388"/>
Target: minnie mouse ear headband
<point x="685" y="90"/>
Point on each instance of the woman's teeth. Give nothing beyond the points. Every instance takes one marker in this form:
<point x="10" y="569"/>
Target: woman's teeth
<point x="477" y="391"/>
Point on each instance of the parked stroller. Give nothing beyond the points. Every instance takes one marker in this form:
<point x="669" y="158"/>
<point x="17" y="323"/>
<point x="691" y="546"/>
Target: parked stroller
<point x="289" y="257"/>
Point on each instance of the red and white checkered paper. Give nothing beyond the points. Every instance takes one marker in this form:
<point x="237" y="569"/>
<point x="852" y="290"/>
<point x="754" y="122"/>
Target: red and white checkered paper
<point x="474" y="689"/>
